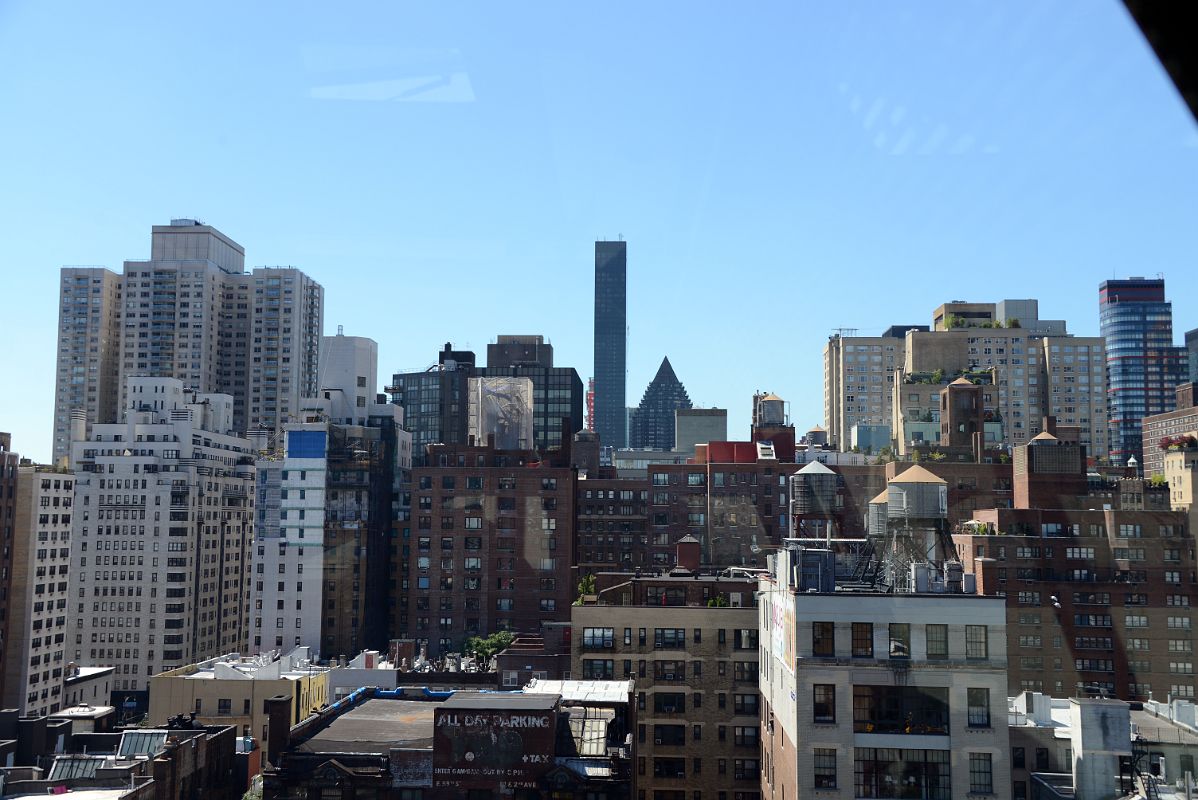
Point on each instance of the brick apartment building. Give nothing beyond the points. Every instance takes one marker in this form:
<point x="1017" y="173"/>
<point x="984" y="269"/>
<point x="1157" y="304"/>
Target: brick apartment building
<point x="1098" y="599"/>
<point x="489" y="547"/>
<point x="612" y="523"/>
<point x="695" y="667"/>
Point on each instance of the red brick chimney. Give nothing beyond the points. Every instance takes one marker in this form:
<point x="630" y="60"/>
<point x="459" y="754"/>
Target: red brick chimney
<point x="689" y="553"/>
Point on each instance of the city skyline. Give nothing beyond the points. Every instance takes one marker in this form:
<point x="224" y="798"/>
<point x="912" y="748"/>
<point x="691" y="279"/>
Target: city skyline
<point x="987" y="171"/>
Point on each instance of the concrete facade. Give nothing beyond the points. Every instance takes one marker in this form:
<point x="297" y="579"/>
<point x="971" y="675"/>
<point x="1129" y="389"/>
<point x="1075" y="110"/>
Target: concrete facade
<point x="87" y="376"/>
<point x="858" y="376"/>
<point x="694" y="426"/>
<point x="334" y="480"/>
<point x="230" y="690"/>
<point x="35" y="658"/>
<point x="160" y="535"/>
<point x="193" y="313"/>
<point x="860" y="694"/>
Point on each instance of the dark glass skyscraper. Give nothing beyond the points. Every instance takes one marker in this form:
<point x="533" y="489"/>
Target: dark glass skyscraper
<point x="611" y="342"/>
<point x="1143" y="365"/>
<point x="652" y="423"/>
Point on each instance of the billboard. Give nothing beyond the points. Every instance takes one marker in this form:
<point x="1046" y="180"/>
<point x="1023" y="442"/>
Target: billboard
<point x="476" y="748"/>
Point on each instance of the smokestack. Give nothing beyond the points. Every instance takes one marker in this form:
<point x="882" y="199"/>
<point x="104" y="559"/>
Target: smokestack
<point x="278" y="727"/>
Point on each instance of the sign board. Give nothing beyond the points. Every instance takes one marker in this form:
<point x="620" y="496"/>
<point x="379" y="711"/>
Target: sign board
<point x="478" y="749"/>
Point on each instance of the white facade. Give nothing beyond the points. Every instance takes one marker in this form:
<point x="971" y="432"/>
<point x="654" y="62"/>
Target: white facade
<point x="862" y="690"/>
<point x="191" y="312"/>
<point x="289" y="558"/>
<point x="162" y="524"/>
<point x="348" y="379"/>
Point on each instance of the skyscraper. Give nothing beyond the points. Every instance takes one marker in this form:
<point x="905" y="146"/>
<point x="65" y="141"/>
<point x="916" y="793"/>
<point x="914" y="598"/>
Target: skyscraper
<point x="89" y="349"/>
<point x="1143" y="365"/>
<point x="653" y="420"/>
<point x="192" y="313"/>
<point x="434" y="400"/>
<point x="557" y="391"/>
<point x="611" y="342"/>
<point x="320" y="560"/>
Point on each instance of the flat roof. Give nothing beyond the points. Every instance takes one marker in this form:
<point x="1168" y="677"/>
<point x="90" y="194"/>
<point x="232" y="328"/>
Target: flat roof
<point x="83" y="711"/>
<point x="376" y="726"/>
<point x="583" y="691"/>
<point x="87" y="673"/>
<point x="1164" y="731"/>
<point x="491" y="701"/>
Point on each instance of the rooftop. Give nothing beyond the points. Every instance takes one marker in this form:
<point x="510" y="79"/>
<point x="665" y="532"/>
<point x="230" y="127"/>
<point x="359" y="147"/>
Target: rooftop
<point x="267" y="666"/>
<point x="916" y="474"/>
<point x="83" y="711"/>
<point x="502" y="700"/>
<point x="87" y="673"/>
<point x="376" y="726"/>
<point x="583" y="691"/>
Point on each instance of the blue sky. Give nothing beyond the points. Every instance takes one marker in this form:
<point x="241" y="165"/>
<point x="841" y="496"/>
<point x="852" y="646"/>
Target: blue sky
<point x="779" y="170"/>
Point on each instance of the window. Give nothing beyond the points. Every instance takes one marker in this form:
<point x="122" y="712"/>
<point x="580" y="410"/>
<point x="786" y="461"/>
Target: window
<point x="823" y="639"/>
<point x="910" y="710"/>
<point x="598" y="638"/>
<point x="669" y="638"/>
<point x="979" y="708"/>
<point x="825" y="768"/>
<point x="981" y="777"/>
<point x="824" y="702"/>
<point x="596" y="669"/>
<point x="937" y="640"/>
<point x="669" y="702"/>
<point x="745" y="639"/>
<point x="1018" y="759"/>
<point x="900" y="640"/>
<point x="863" y="643"/>
<point x="976" y="644"/>
<point x="879" y="771"/>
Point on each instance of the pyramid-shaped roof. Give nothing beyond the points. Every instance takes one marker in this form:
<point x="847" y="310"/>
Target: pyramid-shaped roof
<point x="883" y="497"/>
<point x="816" y="468"/>
<point x="916" y="474"/>
<point x="960" y="381"/>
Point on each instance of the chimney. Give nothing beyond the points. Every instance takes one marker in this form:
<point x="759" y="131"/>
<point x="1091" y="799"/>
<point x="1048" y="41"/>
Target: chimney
<point x="986" y="572"/>
<point x="31" y="740"/>
<point x="688" y="553"/>
<point x="278" y="727"/>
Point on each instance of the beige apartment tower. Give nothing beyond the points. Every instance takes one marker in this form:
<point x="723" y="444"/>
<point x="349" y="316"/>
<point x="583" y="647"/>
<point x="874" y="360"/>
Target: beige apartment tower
<point x="191" y="312"/>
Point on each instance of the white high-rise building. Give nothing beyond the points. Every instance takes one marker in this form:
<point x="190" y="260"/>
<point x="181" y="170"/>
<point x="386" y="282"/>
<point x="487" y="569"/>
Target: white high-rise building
<point x="162" y="523"/>
<point x="311" y="577"/>
<point x="192" y="313"/>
